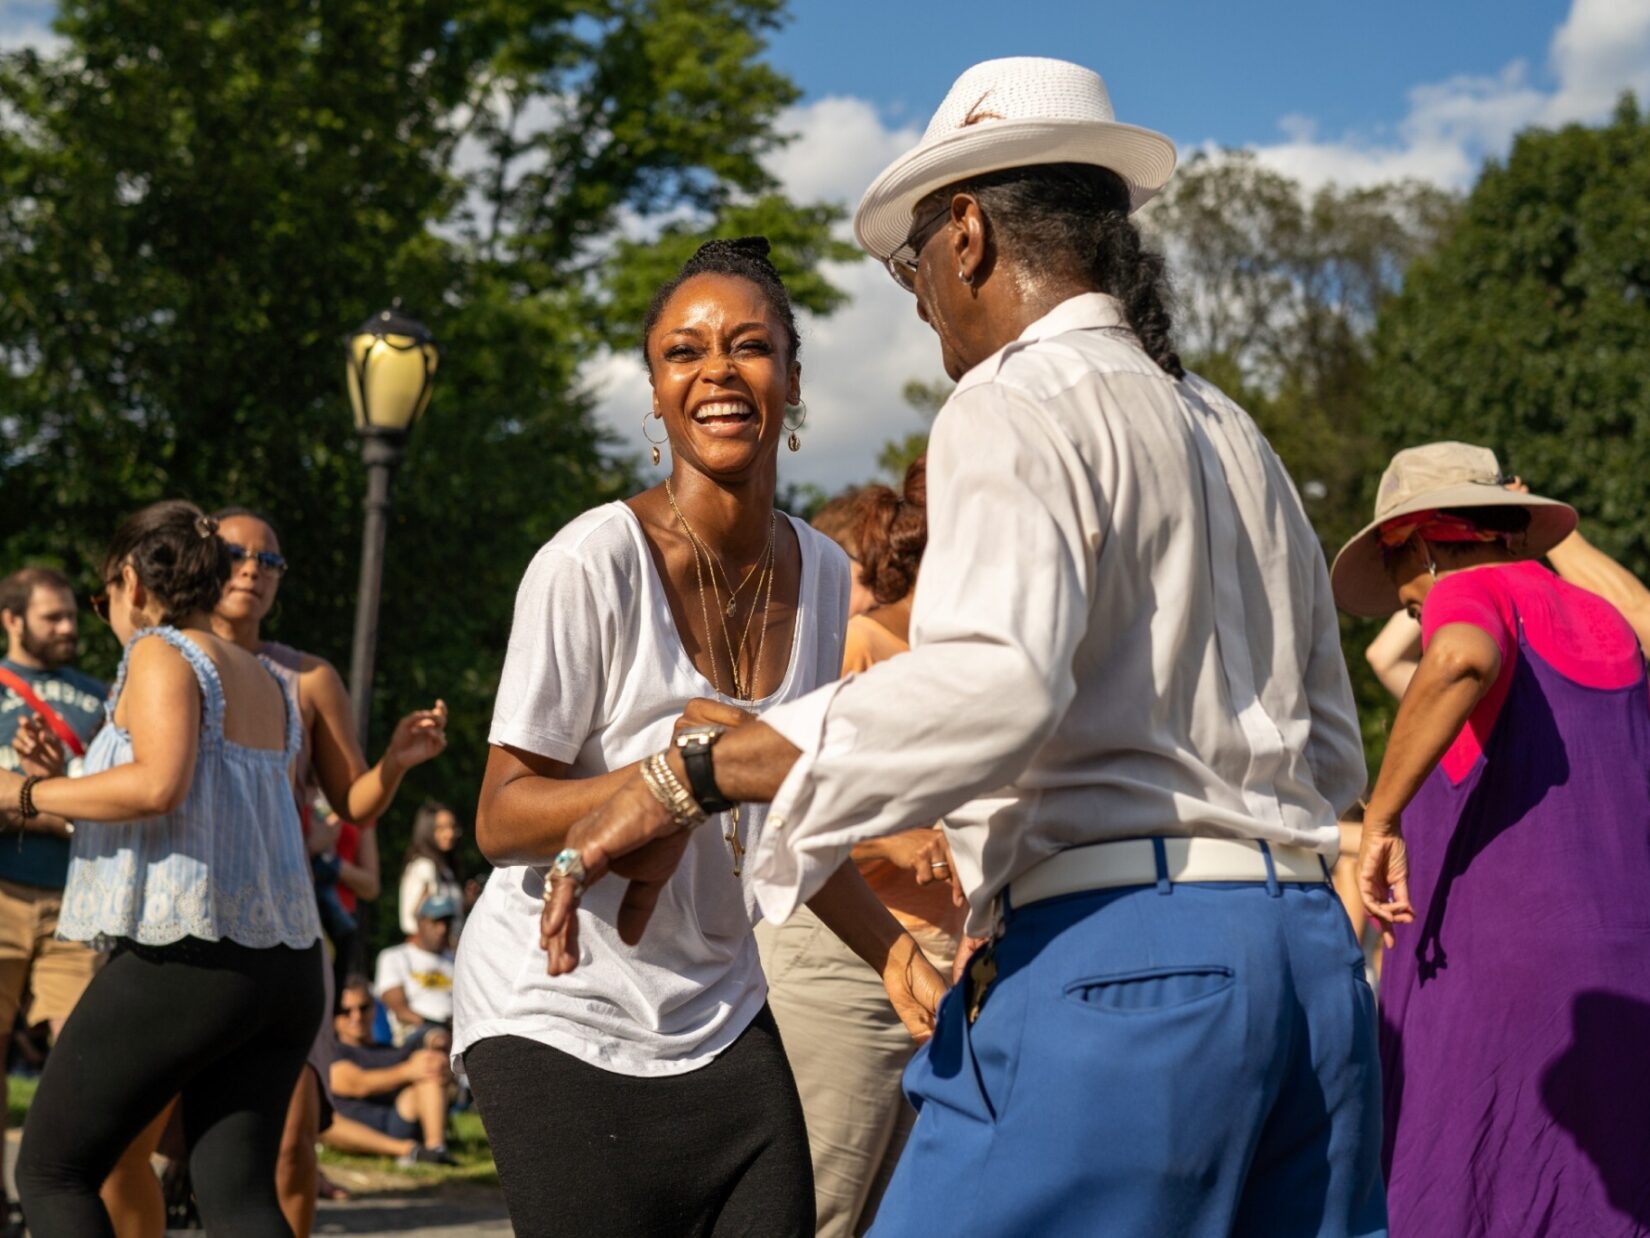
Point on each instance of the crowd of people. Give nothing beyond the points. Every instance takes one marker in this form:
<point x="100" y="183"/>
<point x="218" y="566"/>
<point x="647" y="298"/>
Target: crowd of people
<point x="996" y="856"/>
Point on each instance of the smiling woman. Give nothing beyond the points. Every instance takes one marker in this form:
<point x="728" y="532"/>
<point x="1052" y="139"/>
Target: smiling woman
<point x="642" y="626"/>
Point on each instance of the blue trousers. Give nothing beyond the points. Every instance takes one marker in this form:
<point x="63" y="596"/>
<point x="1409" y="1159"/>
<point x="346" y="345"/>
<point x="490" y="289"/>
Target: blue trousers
<point x="1153" y="1061"/>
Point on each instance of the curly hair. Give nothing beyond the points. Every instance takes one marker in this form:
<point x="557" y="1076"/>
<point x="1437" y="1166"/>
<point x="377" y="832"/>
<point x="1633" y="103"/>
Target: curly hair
<point x="892" y="533"/>
<point x="1060" y="218"/>
<point x="177" y="554"/>
<point x="745" y="257"/>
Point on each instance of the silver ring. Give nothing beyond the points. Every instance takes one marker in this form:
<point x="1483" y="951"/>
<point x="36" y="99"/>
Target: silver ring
<point x="938" y="864"/>
<point x="568" y="864"/>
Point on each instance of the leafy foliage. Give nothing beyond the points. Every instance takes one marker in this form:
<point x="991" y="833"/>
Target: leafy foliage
<point x="198" y="199"/>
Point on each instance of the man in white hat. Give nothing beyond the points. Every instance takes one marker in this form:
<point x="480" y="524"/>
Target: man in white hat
<point x="1127" y="700"/>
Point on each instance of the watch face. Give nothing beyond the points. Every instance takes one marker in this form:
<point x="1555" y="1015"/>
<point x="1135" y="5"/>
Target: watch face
<point x="699" y="735"/>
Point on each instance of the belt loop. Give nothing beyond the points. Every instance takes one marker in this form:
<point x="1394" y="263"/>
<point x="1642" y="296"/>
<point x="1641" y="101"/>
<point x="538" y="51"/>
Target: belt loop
<point x="1273" y="889"/>
<point x="1160" y="854"/>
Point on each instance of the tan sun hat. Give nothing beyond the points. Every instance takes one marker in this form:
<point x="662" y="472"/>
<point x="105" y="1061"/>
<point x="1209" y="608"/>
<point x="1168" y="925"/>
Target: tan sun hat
<point x="1423" y="479"/>
<point x="1012" y="113"/>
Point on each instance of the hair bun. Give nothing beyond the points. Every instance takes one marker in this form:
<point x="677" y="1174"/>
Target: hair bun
<point x="206" y="526"/>
<point x="745" y="246"/>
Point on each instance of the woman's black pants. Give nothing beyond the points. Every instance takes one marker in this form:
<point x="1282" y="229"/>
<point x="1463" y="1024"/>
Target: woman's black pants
<point x="718" y="1152"/>
<point x="227" y="1027"/>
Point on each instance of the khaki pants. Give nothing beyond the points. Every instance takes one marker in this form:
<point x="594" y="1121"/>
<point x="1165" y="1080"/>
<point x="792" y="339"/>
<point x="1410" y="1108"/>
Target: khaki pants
<point x="32" y="958"/>
<point x="848" y="1050"/>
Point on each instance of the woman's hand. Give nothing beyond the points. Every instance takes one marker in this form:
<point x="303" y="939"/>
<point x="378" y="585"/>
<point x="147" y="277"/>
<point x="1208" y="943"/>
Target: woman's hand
<point x="40" y="751"/>
<point x="1383" y="875"/>
<point x="914" y="988"/>
<point x="419" y="737"/>
<point x="630" y="835"/>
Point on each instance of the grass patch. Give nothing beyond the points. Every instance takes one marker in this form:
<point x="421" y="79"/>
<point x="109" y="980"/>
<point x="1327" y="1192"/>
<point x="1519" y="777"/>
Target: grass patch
<point x="467" y="1143"/>
<point x="19" y="1096"/>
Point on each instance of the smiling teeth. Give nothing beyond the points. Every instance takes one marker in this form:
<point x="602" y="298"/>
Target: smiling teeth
<point x="722" y="408"/>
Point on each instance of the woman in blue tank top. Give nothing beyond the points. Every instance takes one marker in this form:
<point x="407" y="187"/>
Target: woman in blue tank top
<point x="188" y="862"/>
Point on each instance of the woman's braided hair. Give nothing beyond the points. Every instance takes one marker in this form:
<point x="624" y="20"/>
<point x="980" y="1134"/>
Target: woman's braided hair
<point x="745" y="257"/>
<point x="1058" y="219"/>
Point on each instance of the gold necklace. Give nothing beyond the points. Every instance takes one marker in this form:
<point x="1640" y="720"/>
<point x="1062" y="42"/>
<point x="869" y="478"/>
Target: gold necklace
<point x="703" y="556"/>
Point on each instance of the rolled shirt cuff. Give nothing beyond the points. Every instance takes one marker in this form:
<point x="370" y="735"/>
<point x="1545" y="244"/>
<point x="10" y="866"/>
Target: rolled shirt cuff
<point x="787" y="865"/>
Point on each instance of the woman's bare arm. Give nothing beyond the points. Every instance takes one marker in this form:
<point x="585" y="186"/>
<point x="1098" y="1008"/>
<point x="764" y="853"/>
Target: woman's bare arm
<point x="359" y="792"/>
<point x="528" y="803"/>
<point x="1395" y="653"/>
<point x="162" y="705"/>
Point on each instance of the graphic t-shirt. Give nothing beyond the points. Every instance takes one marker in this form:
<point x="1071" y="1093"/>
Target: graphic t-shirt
<point x="425" y="978"/>
<point x="43" y="859"/>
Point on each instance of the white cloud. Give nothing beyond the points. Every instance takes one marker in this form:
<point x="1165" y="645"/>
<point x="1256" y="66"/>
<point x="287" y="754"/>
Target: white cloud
<point x="855" y="362"/>
<point x="27" y="23"/>
<point x="1601" y="49"/>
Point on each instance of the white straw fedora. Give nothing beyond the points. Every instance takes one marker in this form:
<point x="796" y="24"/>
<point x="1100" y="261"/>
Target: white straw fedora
<point x="1012" y="113"/>
<point x="1429" y="478"/>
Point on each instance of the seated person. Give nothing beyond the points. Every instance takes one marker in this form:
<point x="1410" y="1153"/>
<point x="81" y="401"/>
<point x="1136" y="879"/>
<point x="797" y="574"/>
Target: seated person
<point x="415" y="980"/>
<point x="399" y="1095"/>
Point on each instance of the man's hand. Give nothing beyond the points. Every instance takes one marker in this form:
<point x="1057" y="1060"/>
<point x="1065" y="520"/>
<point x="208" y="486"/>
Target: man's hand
<point x="39" y="751"/>
<point x="702" y="711"/>
<point x="633" y="836"/>
<point x="914" y="988"/>
<point x="1383" y="875"/>
<point x="428" y="1064"/>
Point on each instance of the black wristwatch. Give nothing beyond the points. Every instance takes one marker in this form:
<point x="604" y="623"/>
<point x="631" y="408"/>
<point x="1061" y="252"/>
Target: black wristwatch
<point x="695" y="744"/>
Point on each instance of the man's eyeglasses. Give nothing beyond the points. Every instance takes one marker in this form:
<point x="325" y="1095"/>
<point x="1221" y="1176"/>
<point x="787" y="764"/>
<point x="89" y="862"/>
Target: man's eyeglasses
<point x="349" y="1010"/>
<point x="902" y="263"/>
<point x="266" y="559"/>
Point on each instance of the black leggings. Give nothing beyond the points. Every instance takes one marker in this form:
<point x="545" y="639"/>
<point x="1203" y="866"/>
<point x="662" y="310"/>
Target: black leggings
<point x="225" y="1025"/>
<point x="584" y="1152"/>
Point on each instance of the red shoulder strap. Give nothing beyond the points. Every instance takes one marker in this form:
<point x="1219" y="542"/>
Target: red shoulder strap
<point x="60" y="728"/>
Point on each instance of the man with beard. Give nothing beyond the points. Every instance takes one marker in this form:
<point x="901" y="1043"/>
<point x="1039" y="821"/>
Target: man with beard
<point x="44" y="696"/>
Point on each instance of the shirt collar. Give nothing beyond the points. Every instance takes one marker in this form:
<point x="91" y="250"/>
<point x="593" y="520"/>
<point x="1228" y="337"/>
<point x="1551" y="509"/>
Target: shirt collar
<point x="1087" y="311"/>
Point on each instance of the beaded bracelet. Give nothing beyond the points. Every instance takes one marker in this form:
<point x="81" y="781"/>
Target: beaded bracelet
<point x="25" y="798"/>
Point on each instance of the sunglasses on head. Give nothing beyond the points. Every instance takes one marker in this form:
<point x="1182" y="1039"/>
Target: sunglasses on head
<point x="266" y="559"/>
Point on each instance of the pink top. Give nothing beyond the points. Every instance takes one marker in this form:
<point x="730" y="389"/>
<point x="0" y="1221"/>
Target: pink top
<point x="1577" y="633"/>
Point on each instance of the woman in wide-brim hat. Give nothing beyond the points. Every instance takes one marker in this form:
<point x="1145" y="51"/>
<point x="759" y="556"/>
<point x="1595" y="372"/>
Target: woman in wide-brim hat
<point x="1506" y="848"/>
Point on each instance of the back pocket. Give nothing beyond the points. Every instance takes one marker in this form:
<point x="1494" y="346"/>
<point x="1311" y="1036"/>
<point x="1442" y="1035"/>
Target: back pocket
<point x="1158" y="988"/>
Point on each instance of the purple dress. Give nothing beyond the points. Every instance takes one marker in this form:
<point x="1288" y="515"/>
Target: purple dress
<point x="1515" y="1011"/>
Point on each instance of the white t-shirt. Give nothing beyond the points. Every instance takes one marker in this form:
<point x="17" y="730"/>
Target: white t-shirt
<point x="420" y="880"/>
<point x="595" y="676"/>
<point x="425" y="978"/>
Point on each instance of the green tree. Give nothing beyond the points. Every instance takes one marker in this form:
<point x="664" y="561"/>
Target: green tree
<point x="197" y="199"/>
<point x="898" y="453"/>
<point x="1529" y="330"/>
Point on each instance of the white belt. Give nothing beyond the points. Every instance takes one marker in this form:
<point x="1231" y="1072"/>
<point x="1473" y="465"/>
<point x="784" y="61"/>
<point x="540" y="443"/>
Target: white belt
<point x="1133" y="862"/>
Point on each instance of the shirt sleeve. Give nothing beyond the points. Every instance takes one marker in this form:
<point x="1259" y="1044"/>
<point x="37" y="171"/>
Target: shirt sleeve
<point x="554" y="666"/>
<point x="1002" y="603"/>
<point x="1335" y="747"/>
<point x="1469" y="597"/>
<point x="392" y="972"/>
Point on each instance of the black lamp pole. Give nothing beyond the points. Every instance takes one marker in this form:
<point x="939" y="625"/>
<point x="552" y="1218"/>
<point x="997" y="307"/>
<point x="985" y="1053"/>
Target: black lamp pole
<point x="390" y="365"/>
<point x="381" y="451"/>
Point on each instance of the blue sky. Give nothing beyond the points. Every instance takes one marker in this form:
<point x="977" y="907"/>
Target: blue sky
<point x="1324" y="92"/>
<point x="1206" y="70"/>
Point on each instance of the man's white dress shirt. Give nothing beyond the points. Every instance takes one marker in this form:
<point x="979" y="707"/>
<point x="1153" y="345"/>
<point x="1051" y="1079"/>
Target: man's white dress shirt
<point x="1122" y="627"/>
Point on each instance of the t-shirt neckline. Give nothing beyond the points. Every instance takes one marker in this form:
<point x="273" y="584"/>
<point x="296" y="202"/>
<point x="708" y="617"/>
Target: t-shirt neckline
<point x="666" y="621"/>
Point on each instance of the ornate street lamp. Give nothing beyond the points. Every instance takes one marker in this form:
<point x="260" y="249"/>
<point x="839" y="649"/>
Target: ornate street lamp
<point x="389" y="366"/>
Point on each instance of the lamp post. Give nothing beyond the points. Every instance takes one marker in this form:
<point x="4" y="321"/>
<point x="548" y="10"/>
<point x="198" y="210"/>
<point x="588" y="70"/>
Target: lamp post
<point x="389" y="366"/>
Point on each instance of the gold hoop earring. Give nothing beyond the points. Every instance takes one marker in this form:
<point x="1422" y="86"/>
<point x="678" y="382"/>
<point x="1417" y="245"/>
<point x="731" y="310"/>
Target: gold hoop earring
<point x="800" y="411"/>
<point x="646" y="417"/>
